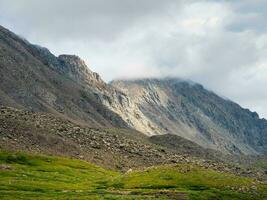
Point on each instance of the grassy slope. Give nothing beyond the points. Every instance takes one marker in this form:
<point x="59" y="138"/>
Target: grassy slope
<point x="24" y="176"/>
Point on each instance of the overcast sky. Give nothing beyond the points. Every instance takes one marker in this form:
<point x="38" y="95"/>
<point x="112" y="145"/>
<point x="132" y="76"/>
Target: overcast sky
<point x="220" y="44"/>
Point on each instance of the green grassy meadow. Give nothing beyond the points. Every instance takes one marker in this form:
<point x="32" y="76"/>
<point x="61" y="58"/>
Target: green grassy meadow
<point x="27" y="176"/>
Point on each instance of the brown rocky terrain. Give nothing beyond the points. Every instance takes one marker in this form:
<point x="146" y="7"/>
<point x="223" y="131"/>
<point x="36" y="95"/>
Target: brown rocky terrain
<point x="176" y="143"/>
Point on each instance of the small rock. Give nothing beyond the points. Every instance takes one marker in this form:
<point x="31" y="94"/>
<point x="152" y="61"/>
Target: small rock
<point x="5" y="167"/>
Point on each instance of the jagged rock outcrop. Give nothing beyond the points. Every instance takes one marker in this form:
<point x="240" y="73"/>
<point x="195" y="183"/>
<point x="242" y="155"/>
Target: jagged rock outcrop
<point x="76" y="69"/>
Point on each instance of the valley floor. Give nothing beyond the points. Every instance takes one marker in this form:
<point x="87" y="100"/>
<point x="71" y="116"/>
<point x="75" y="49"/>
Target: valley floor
<point x="31" y="176"/>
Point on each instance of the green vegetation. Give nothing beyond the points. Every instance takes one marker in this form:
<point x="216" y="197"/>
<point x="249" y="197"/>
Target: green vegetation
<point x="25" y="176"/>
<point x="196" y="182"/>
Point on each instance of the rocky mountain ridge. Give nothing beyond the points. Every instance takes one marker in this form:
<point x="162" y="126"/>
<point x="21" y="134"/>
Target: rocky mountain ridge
<point x="33" y="78"/>
<point x="186" y="109"/>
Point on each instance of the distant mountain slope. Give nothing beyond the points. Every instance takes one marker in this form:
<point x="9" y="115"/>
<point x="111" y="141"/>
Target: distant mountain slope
<point x="33" y="78"/>
<point x="192" y="112"/>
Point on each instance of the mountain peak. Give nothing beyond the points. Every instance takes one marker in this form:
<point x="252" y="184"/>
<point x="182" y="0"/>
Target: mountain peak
<point x="73" y="60"/>
<point x="76" y="68"/>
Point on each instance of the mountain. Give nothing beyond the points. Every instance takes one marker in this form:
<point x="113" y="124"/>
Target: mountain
<point x="33" y="78"/>
<point x="187" y="109"/>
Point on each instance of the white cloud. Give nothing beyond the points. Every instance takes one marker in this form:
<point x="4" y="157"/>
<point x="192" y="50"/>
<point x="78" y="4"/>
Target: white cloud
<point x="221" y="44"/>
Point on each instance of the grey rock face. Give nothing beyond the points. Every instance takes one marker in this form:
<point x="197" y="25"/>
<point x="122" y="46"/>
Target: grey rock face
<point x="192" y="112"/>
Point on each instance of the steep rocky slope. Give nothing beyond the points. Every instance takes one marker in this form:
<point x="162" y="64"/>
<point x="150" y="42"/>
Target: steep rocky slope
<point x="33" y="78"/>
<point x="192" y="112"/>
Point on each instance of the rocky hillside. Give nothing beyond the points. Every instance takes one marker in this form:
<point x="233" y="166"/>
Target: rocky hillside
<point x="176" y="143"/>
<point x="188" y="110"/>
<point x="32" y="78"/>
<point x="119" y="149"/>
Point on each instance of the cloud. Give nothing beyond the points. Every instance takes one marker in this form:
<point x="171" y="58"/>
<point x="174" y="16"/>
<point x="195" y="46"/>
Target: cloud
<point x="103" y="20"/>
<point x="219" y="43"/>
